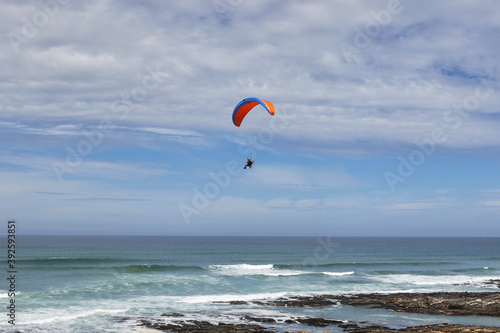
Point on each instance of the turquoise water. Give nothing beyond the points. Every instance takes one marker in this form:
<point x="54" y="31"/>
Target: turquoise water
<point x="91" y="284"/>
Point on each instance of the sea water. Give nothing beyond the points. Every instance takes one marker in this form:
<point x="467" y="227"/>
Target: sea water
<point x="107" y="283"/>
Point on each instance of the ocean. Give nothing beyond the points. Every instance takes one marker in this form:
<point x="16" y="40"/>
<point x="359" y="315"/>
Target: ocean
<point x="107" y="283"/>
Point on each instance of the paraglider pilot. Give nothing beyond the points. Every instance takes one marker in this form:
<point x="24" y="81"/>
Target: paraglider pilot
<point x="249" y="163"/>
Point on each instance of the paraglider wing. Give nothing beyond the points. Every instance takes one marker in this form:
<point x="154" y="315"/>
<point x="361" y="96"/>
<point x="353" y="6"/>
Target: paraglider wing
<point x="243" y="107"/>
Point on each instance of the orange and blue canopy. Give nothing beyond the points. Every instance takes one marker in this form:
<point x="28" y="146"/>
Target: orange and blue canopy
<point x="243" y="107"/>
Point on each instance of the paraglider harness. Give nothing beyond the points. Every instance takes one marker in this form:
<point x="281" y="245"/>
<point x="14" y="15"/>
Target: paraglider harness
<point x="250" y="162"/>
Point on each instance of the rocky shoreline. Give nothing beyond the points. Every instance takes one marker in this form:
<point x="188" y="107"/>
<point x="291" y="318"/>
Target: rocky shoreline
<point x="206" y="327"/>
<point x="439" y="303"/>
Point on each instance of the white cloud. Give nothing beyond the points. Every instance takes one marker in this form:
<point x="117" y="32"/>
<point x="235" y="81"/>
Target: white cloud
<point x="415" y="206"/>
<point x="169" y="131"/>
<point x="279" y="203"/>
<point x="495" y="203"/>
<point x="291" y="55"/>
<point x="84" y="167"/>
<point x="301" y="178"/>
<point x="306" y="203"/>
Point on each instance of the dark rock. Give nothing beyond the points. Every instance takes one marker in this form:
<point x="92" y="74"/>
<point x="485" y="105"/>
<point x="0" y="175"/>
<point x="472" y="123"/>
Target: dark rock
<point x="318" y="322"/>
<point x="450" y="328"/>
<point x="194" y="326"/>
<point x="300" y="301"/>
<point x="232" y="302"/>
<point x="494" y="282"/>
<point x="122" y="319"/>
<point x="348" y="326"/>
<point x="439" y="328"/>
<point x="368" y="329"/>
<point x="449" y="303"/>
<point x="203" y="327"/>
<point x="175" y="314"/>
<point x="464" y="304"/>
<point x="260" y="319"/>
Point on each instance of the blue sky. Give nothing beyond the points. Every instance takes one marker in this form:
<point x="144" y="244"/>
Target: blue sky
<point x="115" y="117"/>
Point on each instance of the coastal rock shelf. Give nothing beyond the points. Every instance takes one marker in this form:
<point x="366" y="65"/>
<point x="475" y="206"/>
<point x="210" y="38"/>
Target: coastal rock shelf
<point x="302" y="301"/>
<point x="439" y="328"/>
<point x="447" y="303"/>
<point x="495" y="282"/>
<point x="181" y="326"/>
<point x="193" y="326"/>
<point x="439" y="303"/>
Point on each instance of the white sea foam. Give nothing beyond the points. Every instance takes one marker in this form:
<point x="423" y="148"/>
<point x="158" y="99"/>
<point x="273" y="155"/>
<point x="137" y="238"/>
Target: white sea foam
<point x="60" y="258"/>
<point x="69" y="315"/>
<point x="431" y="280"/>
<point x="247" y="269"/>
<point x="5" y="293"/>
<point x="338" y="273"/>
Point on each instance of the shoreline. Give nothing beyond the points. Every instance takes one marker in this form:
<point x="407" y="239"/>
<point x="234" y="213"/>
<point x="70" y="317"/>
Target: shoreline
<point x="436" y="303"/>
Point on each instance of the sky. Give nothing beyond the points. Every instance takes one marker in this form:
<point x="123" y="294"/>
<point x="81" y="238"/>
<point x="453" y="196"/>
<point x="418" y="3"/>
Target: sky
<point x="116" y="117"/>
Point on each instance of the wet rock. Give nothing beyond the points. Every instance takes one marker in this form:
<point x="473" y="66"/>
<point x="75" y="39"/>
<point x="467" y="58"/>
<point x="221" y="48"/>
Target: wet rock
<point x="175" y="314"/>
<point x="318" y="322"/>
<point x="300" y="301"/>
<point x="450" y="328"/>
<point x="232" y="302"/>
<point x="259" y="319"/>
<point x="366" y="329"/>
<point x="439" y="328"/>
<point x="464" y="304"/>
<point x="493" y="282"/>
<point x="122" y="319"/>
<point x="309" y="321"/>
<point x="195" y="326"/>
<point x="449" y="303"/>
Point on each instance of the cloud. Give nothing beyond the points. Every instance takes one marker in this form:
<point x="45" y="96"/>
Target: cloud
<point x="490" y="203"/>
<point x="279" y="203"/>
<point x="85" y="167"/>
<point x="168" y="131"/>
<point x="415" y="206"/>
<point x="301" y="178"/>
<point x="306" y="203"/>
<point x="76" y="74"/>
<point x="295" y="204"/>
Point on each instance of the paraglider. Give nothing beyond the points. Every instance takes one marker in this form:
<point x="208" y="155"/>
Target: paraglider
<point x="249" y="164"/>
<point x="243" y="107"/>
